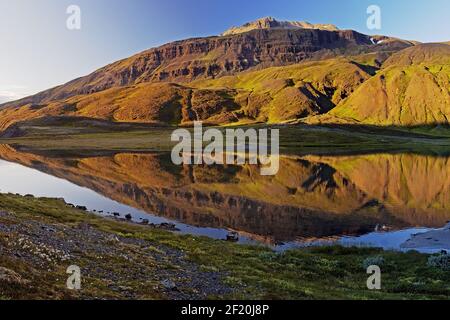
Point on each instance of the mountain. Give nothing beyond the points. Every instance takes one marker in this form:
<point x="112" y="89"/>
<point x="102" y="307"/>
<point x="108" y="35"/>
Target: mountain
<point x="272" y="23"/>
<point x="266" y="71"/>
<point x="213" y="57"/>
<point x="270" y="95"/>
<point x="412" y="88"/>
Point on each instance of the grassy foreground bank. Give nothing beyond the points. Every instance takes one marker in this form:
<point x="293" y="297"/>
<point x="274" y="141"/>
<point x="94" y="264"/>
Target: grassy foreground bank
<point x="40" y="238"/>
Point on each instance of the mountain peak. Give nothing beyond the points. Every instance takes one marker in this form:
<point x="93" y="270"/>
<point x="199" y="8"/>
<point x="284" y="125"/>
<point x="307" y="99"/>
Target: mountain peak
<point x="272" y="23"/>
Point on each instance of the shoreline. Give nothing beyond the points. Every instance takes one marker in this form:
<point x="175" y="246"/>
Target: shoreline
<point x="121" y="260"/>
<point x="107" y="207"/>
<point x="422" y="239"/>
<point x="412" y="239"/>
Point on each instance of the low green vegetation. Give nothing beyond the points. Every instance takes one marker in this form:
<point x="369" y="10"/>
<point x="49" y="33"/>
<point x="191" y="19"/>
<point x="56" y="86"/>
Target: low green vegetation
<point x="254" y="272"/>
<point x="294" y="139"/>
<point x="411" y="89"/>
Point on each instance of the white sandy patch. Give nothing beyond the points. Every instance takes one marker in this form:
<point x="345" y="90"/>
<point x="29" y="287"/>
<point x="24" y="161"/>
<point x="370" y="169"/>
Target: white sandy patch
<point x="430" y="240"/>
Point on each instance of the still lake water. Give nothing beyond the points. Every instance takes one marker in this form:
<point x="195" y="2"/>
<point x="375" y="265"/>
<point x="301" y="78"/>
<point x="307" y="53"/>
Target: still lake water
<point x="381" y="200"/>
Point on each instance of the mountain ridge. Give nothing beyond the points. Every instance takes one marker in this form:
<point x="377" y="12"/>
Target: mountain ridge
<point x="265" y="75"/>
<point x="217" y="56"/>
<point x="272" y="23"/>
<point x="256" y="96"/>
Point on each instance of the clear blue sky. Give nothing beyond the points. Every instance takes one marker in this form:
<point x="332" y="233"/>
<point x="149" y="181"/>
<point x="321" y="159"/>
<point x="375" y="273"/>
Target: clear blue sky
<point x="39" y="52"/>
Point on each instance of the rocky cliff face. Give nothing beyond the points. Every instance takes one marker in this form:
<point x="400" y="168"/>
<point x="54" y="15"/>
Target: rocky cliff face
<point x="272" y="23"/>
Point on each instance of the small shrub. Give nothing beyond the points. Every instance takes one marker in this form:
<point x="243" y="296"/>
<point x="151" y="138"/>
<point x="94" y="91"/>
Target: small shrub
<point x="441" y="261"/>
<point x="268" y="256"/>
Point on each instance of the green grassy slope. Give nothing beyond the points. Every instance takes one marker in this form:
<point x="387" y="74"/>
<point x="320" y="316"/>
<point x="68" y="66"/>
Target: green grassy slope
<point x="413" y="88"/>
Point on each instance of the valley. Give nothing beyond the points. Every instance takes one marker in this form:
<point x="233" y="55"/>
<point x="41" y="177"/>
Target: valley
<point x="274" y="74"/>
<point x="364" y="130"/>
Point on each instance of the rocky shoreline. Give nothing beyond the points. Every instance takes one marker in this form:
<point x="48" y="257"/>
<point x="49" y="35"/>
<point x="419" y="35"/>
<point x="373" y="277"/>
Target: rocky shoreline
<point x="40" y="238"/>
<point x="113" y="259"/>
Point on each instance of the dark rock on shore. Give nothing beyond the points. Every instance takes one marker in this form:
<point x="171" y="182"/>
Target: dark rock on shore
<point x="233" y="237"/>
<point x="169" y="284"/>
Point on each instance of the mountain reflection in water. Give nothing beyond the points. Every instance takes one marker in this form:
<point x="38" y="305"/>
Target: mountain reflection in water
<point x="311" y="197"/>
